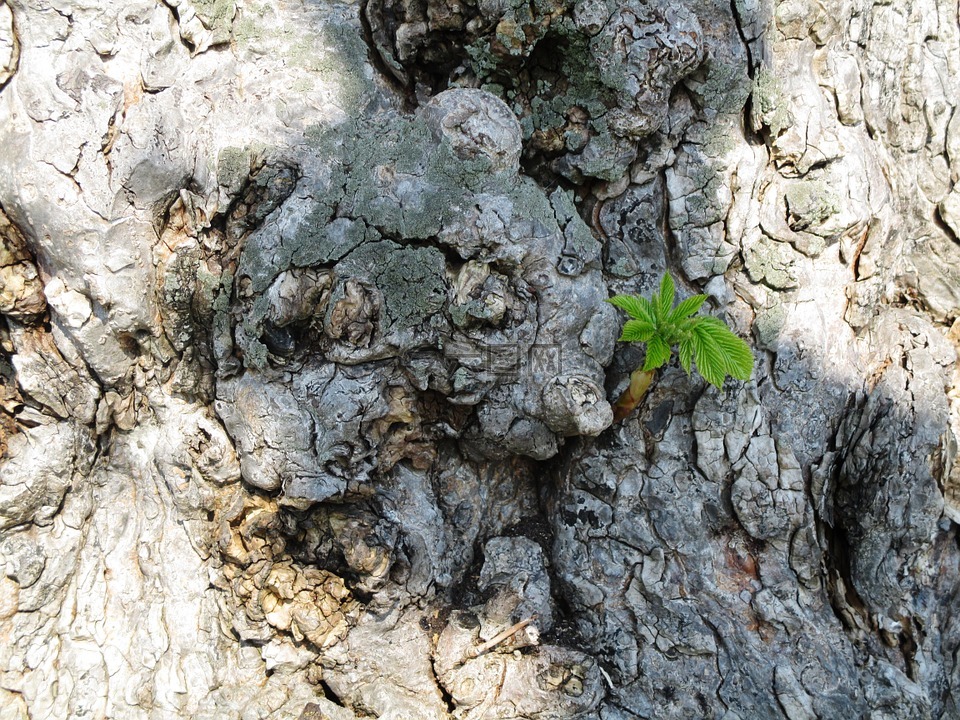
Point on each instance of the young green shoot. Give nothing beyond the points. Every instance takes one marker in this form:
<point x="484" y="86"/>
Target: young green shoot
<point x="701" y="341"/>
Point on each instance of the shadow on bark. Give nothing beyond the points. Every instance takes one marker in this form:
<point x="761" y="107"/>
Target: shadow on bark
<point x="365" y="449"/>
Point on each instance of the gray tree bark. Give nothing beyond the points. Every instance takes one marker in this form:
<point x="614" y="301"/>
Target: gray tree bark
<point x="306" y="371"/>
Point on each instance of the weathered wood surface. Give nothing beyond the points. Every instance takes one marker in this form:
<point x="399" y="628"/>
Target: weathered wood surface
<point x="305" y="369"/>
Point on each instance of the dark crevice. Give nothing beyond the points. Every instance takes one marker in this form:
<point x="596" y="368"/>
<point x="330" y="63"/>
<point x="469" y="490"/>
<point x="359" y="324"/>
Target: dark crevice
<point x="671" y="244"/>
<point x="191" y="48"/>
<point x="401" y="89"/>
<point x="940" y="223"/>
<point x="746" y="124"/>
<point x="565" y="631"/>
<point x="434" y="56"/>
<point x="738" y="21"/>
<point x="15" y="52"/>
<point x="447" y="698"/>
<point x="330" y="695"/>
<point x="466" y="593"/>
<point x="836" y="557"/>
<point x="631" y="713"/>
<point x="908" y="648"/>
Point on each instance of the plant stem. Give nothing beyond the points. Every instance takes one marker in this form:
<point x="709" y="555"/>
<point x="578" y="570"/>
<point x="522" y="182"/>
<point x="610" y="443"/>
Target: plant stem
<point x="639" y="382"/>
<point x="500" y="637"/>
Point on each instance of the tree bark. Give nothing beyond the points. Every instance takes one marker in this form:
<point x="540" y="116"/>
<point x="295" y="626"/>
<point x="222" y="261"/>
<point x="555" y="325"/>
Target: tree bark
<point x="306" y="371"/>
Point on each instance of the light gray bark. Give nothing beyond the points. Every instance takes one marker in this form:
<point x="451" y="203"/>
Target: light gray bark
<point x="305" y="369"/>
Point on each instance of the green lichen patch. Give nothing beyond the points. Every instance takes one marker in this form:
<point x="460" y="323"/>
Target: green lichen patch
<point x="770" y="104"/>
<point x="215" y="13"/>
<point x="717" y="139"/>
<point x="721" y="86"/>
<point x="336" y="56"/>
<point x="233" y="168"/>
<point x="255" y="355"/>
<point x="810" y="203"/>
<point x="580" y="242"/>
<point x="411" y="280"/>
<point x="253" y="27"/>
<point x="322" y="241"/>
<point x="400" y="179"/>
<point x="772" y="263"/>
<point x="769" y="323"/>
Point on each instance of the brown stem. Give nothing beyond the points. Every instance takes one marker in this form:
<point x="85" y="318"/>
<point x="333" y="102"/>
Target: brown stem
<point x="639" y="382"/>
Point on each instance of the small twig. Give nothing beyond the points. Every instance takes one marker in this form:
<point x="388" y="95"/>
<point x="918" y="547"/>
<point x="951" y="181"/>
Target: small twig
<point x="606" y="676"/>
<point x="500" y="637"/>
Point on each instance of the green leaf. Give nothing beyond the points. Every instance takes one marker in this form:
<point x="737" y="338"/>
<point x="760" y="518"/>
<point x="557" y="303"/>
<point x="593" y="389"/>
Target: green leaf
<point x="686" y="353"/>
<point x="708" y="355"/>
<point x="718" y="352"/>
<point x="658" y="353"/>
<point x="686" y="308"/>
<point x="738" y="358"/>
<point x="665" y="302"/>
<point x="636" y="307"/>
<point x="637" y="331"/>
<point x="704" y="340"/>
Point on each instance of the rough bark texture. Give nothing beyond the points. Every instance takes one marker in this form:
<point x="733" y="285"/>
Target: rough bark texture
<point x="305" y="369"/>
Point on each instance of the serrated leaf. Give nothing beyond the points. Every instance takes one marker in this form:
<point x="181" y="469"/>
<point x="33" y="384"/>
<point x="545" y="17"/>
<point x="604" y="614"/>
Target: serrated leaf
<point x="636" y="307"/>
<point x="637" y="331"/>
<point x="738" y="357"/>
<point x="686" y="308"/>
<point x="708" y="355"/>
<point x="658" y="353"/>
<point x="718" y="352"/>
<point x="685" y="347"/>
<point x="664" y="302"/>
<point x="703" y="340"/>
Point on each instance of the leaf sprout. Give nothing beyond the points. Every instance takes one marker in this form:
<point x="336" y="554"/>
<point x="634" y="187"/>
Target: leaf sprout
<point x="701" y="340"/>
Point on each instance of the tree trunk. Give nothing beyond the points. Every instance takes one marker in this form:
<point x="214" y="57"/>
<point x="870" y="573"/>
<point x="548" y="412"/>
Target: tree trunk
<point x="306" y="370"/>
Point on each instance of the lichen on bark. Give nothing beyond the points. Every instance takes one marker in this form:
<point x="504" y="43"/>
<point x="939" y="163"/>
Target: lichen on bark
<point x="305" y="369"/>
